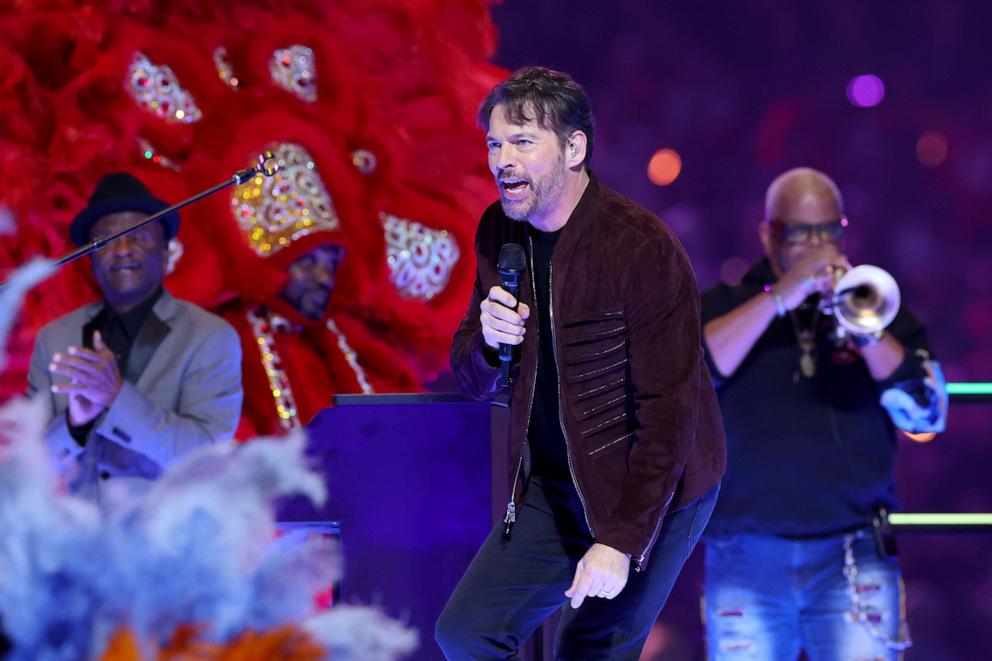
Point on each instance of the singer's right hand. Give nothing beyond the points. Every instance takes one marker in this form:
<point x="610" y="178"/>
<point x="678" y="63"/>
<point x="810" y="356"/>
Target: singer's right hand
<point x="500" y="322"/>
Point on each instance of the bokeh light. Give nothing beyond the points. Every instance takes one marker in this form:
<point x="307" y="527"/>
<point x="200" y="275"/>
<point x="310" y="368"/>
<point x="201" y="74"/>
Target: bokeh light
<point x="931" y="149"/>
<point x="866" y="90"/>
<point x="664" y="167"/>
<point x="732" y="271"/>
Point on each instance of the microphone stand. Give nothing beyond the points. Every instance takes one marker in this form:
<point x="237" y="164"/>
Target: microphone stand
<point x="267" y="166"/>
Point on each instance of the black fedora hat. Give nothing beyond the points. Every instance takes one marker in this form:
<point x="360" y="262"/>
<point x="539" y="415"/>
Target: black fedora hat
<point x="120" y="191"/>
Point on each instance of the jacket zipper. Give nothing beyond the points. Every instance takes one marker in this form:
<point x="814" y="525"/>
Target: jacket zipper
<point x="639" y="562"/>
<point x="511" y="507"/>
<point x="561" y="419"/>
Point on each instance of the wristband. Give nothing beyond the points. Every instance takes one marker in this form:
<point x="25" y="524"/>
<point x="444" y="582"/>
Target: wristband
<point x="780" y="309"/>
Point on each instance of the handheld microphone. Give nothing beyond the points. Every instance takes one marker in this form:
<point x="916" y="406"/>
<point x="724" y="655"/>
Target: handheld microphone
<point x="511" y="265"/>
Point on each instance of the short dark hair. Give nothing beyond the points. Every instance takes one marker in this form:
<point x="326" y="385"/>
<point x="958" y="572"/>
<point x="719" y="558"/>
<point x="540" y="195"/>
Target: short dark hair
<point x="557" y="102"/>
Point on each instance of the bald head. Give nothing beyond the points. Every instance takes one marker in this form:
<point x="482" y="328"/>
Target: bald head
<point x="803" y="193"/>
<point x="803" y="212"/>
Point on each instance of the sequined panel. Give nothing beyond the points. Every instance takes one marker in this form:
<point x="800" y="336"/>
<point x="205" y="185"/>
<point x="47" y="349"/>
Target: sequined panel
<point x="224" y="70"/>
<point x="294" y="70"/>
<point x="352" y="358"/>
<point x="364" y="161"/>
<point x="275" y="211"/>
<point x="420" y="258"/>
<point x="149" y="153"/>
<point x="155" y="89"/>
<point x="263" y="327"/>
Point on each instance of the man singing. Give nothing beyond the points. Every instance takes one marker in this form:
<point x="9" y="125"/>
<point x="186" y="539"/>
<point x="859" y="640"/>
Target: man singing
<point x="614" y="431"/>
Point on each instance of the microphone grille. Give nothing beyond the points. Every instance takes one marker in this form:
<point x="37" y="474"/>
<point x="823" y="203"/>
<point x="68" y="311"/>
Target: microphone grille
<point x="512" y="258"/>
<point x="268" y="164"/>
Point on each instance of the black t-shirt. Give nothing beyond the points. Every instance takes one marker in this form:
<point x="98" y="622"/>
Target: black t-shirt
<point x="548" y="452"/>
<point x="119" y="331"/>
<point x="805" y="456"/>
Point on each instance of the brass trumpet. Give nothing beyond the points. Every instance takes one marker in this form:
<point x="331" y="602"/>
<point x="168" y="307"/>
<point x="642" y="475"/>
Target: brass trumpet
<point x="865" y="300"/>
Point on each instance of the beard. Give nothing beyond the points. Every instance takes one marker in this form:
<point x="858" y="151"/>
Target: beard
<point x="311" y="301"/>
<point x="546" y="192"/>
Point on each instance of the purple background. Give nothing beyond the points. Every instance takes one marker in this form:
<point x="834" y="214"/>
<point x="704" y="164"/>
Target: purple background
<point x="744" y="91"/>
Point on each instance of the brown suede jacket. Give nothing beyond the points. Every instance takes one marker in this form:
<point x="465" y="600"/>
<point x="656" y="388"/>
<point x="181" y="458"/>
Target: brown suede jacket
<point x="639" y="412"/>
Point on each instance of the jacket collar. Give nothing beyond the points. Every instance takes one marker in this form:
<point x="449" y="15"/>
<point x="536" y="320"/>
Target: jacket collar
<point x="583" y="216"/>
<point x="165" y="307"/>
<point x="152" y="332"/>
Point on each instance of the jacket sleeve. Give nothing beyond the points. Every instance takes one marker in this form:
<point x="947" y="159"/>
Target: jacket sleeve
<point x="61" y="446"/>
<point x="663" y="319"/>
<point x="207" y="410"/>
<point x="475" y="365"/>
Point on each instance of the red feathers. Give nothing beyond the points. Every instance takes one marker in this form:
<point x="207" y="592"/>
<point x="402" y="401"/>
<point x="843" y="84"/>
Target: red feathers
<point x="392" y="131"/>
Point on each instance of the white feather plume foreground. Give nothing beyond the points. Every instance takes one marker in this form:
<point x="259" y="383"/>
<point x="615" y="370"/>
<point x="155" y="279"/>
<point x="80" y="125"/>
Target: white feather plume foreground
<point x="196" y="548"/>
<point x="12" y="292"/>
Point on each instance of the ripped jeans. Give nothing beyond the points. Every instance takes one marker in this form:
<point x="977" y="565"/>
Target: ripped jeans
<point x="765" y="598"/>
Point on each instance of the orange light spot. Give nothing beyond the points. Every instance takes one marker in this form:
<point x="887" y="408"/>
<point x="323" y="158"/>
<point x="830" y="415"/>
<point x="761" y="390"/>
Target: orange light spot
<point x="664" y="167"/>
<point x="924" y="437"/>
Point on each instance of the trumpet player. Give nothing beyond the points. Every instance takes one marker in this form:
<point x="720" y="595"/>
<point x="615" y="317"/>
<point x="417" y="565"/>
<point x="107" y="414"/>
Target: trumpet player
<point x="791" y="563"/>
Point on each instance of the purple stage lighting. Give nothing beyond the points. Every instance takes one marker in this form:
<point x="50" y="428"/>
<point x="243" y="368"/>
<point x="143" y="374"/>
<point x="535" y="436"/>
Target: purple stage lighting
<point x="866" y="91"/>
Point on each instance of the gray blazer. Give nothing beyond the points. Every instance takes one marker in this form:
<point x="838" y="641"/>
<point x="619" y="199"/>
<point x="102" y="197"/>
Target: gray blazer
<point x="182" y="390"/>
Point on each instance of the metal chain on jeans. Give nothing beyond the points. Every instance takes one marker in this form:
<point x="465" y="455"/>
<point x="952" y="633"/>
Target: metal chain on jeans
<point x="860" y="610"/>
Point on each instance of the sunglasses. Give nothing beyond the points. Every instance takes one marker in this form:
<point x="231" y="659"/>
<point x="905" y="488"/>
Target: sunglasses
<point x="830" y="231"/>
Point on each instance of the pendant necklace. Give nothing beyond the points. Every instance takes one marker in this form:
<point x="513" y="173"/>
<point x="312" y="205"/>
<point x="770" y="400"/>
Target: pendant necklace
<point x="807" y="344"/>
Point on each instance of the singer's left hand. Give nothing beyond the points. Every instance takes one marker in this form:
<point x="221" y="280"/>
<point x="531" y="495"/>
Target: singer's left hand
<point x="602" y="572"/>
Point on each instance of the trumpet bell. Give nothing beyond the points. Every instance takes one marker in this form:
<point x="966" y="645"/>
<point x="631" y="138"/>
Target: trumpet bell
<point x="866" y="300"/>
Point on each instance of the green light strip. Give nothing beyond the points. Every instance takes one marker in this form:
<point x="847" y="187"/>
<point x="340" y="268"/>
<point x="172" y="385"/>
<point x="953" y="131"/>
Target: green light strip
<point x="941" y="519"/>
<point x="969" y="388"/>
